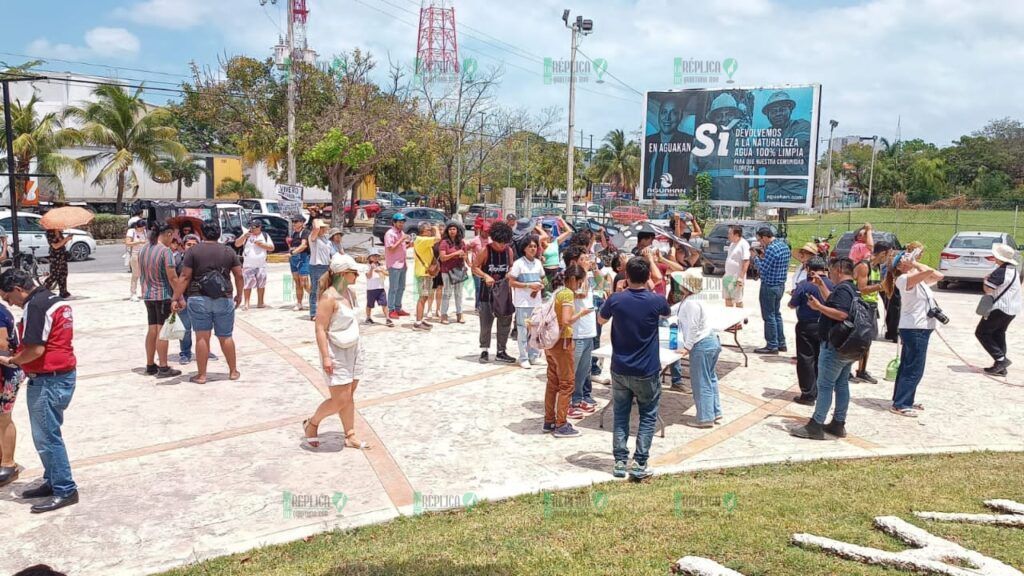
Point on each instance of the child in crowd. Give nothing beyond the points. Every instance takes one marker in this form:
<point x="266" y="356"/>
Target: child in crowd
<point x="375" y="291"/>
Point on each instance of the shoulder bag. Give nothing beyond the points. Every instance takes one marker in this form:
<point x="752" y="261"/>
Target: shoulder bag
<point x="458" y="275"/>
<point x="435" y="265"/>
<point x="988" y="302"/>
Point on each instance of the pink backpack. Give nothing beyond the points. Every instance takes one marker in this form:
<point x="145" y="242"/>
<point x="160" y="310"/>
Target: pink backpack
<point x="543" y="327"/>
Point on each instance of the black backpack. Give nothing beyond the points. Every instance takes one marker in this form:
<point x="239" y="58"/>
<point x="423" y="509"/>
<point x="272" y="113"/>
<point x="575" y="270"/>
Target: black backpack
<point x="852" y="337"/>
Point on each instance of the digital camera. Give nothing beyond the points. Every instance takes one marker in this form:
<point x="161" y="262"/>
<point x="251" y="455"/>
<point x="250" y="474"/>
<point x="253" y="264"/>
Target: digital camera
<point x="938" y="314"/>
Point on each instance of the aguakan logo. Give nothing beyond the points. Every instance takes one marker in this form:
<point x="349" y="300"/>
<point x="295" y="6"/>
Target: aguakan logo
<point x="666" y="180"/>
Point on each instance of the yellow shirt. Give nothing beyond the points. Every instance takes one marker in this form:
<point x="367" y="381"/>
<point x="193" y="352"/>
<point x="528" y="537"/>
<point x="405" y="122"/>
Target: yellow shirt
<point x="423" y="248"/>
<point x="564" y="297"/>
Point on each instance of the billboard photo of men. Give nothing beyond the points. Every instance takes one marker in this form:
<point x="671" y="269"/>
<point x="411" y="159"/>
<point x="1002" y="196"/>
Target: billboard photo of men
<point x="667" y="153"/>
<point x="779" y="110"/>
<point x="729" y="112"/>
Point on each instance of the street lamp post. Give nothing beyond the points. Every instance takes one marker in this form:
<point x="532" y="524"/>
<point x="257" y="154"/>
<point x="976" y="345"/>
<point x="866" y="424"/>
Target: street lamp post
<point x="832" y="126"/>
<point x="579" y="26"/>
<point x="874" y="153"/>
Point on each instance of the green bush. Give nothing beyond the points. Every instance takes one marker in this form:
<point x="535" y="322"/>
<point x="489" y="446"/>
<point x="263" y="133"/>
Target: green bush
<point x="108" y="227"/>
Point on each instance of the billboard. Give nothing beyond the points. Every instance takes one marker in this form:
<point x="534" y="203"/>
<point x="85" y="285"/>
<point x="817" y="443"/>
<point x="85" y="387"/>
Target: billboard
<point x="759" y="141"/>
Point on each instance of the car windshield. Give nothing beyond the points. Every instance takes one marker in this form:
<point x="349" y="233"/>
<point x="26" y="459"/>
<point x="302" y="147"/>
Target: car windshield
<point x="974" y="242"/>
<point x="272" y="207"/>
<point x="492" y="214"/>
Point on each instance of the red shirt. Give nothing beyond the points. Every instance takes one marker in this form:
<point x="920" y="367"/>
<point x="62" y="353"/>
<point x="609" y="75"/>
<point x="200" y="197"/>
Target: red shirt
<point x="47" y="321"/>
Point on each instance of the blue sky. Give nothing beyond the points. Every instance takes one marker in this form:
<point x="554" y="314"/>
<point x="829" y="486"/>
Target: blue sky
<point x="944" y="67"/>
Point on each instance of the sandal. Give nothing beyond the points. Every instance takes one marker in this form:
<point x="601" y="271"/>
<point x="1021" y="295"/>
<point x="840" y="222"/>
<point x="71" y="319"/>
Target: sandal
<point x="311" y="441"/>
<point x="459" y="319"/>
<point x="361" y="445"/>
<point x="909" y="413"/>
<point x="444" y="319"/>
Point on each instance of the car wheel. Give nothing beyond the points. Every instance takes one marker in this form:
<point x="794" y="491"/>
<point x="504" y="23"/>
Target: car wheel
<point x="943" y="284"/>
<point x="79" y="251"/>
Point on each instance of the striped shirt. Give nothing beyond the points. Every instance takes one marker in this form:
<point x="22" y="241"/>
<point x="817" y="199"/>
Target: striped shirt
<point x="154" y="259"/>
<point x="775" y="264"/>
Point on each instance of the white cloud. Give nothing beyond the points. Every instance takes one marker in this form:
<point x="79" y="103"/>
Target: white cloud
<point x="177" y="14"/>
<point x="98" y="42"/>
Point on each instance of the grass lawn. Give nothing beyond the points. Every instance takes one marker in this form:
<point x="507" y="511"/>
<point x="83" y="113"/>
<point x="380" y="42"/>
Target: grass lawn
<point x="627" y="528"/>
<point x="932" y="227"/>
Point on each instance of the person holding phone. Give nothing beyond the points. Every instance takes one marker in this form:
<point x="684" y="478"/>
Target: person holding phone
<point x="526" y="279"/>
<point x="808" y="340"/>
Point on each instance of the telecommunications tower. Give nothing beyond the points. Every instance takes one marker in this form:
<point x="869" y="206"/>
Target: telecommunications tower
<point x="437" y="49"/>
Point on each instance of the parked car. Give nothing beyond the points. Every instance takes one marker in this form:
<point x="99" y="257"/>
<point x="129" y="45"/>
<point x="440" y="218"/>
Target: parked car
<point x="628" y="214"/>
<point x="718" y="240"/>
<point x="277" y="228"/>
<point x="845" y="243"/>
<point x="414" y="215"/>
<point x="547" y="210"/>
<point x="390" y="200"/>
<point x="967" y="257"/>
<point x="261" y="206"/>
<point x="475" y="210"/>
<point x="32" y="234"/>
<point x="371" y="207"/>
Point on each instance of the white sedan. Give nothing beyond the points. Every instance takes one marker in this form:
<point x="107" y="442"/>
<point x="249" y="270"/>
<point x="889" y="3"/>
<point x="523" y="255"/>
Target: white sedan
<point x="32" y="235"/>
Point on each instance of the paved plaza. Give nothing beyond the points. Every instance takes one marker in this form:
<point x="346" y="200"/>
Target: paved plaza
<point x="172" y="472"/>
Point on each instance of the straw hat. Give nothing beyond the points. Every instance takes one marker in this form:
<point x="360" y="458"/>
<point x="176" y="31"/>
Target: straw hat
<point x="691" y="280"/>
<point x="810" y="247"/>
<point x="1004" y="253"/>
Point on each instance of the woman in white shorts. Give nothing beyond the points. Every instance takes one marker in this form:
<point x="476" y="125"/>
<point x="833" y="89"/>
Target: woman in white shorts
<point x="337" y="337"/>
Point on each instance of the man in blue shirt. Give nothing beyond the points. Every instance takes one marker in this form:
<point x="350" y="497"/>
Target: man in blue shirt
<point x="808" y="343"/>
<point x="773" y="263"/>
<point x="636" y="364"/>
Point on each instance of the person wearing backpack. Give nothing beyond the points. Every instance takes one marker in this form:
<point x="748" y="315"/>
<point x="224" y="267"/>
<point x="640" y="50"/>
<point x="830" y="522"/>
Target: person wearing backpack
<point x="526" y="279"/>
<point x="833" y="369"/>
<point x="206" y="275"/>
<point x="561" y="371"/>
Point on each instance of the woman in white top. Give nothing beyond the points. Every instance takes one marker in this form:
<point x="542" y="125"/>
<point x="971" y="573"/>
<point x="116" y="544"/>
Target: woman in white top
<point x="700" y="342"/>
<point x="1003" y="285"/>
<point x="916" y="327"/>
<point x="337" y="337"/>
<point x="319" y="259"/>
<point x="526" y="279"/>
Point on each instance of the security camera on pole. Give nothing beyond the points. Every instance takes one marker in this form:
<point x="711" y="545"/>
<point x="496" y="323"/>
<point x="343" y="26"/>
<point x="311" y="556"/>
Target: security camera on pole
<point x="579" y="26"/>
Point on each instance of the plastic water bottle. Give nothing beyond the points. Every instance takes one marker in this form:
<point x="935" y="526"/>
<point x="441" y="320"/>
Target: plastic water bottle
<point x="673" y="336"/>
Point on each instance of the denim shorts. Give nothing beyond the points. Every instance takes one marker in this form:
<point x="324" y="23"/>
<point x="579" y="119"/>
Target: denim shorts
<point x="299" y="263"/>
<point x="217" y="314"/>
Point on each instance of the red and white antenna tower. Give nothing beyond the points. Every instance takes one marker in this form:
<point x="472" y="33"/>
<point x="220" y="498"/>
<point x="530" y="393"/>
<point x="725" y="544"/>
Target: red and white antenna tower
<point x="437" y="48"/>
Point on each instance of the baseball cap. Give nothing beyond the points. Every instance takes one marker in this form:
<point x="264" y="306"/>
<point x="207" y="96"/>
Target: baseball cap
<point x="398" y="216"/>
<point x="140" y="223"/>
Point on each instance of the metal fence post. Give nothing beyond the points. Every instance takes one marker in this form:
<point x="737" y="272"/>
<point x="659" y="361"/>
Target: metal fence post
<point x="956" y="224"/>
<point x="1016" y="208"/>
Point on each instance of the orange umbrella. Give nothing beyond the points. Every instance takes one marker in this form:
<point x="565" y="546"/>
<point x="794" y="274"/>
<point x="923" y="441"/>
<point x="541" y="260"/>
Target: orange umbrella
<point x="66" y="217"/>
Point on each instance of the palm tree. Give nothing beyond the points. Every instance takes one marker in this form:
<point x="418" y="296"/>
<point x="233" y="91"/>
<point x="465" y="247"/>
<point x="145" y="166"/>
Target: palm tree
<point x="231" y="188"/>
<point x="181" y="169"/>
<point x="130" y="133"/>
<point x="618" y="161"/>
<point x="40" y="140"/>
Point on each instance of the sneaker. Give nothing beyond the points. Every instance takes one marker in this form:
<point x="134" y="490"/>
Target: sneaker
<point x="836" y="428"/>
<point x="586" y="407"/>
<point x="805" y="400"/>
<point x="484" y="357"/>
<point x="525" y="365"/>
<point x="134" y="298"/>
<point x="167" y="372"/>
<point x="575" y="414"/>
<point x="640" y="471"/>
<point x="393" y="315"/>
<point x="369" y="321"/>
<point x="297" y="307"/>
<point x="184" y="359"/>
<point x="389" y="323"/>
<point x="565" y="431"/>
<point x="548" y="428"/>
<point x="812" y="430"/>
<point x="680" y="387"/>
<point x="694" y="423"/>
<point x="503" y="357"/>
<point x="402" y="313"/>
<point x="619" y="470"/>
<point x="151" y="369"/>
<point x="766" y="350"/>
<point x="783" y="349"/>
<point x="866" y="377"/>
<point x="534" y="361"/>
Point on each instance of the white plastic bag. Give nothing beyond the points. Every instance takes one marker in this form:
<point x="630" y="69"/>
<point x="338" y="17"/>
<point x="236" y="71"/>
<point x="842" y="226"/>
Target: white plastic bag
<point x="172" y="329"/>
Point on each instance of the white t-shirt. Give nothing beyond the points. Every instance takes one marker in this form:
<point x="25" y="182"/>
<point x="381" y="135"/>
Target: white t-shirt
<point x="1009" y="280"/>
<point x="375" y="281"/>
<point x="693" y="323"/>
<point x="585" y="326"/>
<point x="915" y="305"/>
<point x="255" y="256"/>
<point x="136" y="235"/>
<point x="737" y="253"/>
<point x="527" y="272"/>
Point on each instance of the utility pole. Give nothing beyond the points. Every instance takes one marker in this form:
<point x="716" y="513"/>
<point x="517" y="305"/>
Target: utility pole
<point x="874" y="153"/>
<point x="9" y="137"/>
<point x="480" y="164"/>
<point x="832" y="126"/>
<point x="579" y="26"/>
<point x="291" y="93"/>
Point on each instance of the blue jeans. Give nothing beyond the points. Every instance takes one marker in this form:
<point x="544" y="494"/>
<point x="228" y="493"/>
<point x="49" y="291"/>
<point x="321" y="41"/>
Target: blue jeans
<point x="185" y="345"/>
<point x="595" y="365"/>
<point x="396" y="288"/>
<point x="48" y="398"/>
<point x="523" y="335"/>
<point x="833" y="376"/>
<point x="476" y="292"/>
<point x="915" y="352"/>
<point x="582" y="356"/>
<point x="315" y="272"/>
<point x="217" y="314"/>
<point x="771" y="312"/>
<point x="647" y="392"/>
<point x="704" y="379"/>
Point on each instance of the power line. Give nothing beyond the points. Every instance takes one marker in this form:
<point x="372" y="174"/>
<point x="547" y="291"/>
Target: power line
<point x="613" y="76"/>
<point x="94" y="65"/>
